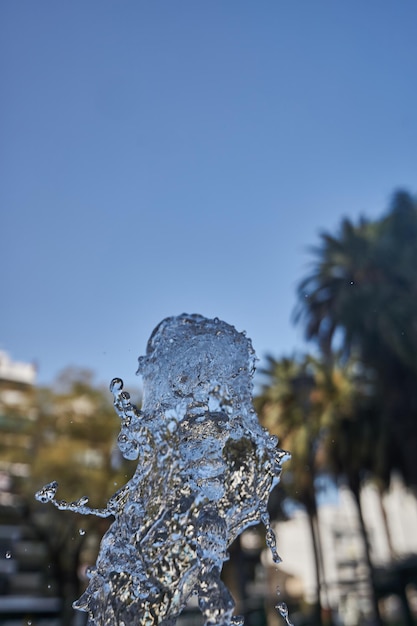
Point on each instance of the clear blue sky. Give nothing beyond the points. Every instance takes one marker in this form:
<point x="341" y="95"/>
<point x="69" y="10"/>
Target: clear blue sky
<point x="171" y="156"/>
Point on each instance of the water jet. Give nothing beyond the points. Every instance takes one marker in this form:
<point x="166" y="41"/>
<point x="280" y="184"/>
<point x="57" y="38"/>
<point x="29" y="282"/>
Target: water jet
<point x="204" y="474"/>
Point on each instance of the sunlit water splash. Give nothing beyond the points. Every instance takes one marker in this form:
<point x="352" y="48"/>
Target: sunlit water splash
<point x="204" y="474"/>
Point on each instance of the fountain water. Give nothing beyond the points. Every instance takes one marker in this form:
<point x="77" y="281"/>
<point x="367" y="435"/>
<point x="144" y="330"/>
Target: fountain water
<point x="205" y="471"/>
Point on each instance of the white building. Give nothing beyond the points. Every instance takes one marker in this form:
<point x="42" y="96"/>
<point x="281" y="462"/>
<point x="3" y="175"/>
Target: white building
<point x="16" y="380"/>
<point x="17" y="406"/>
<point x="344" y="564"/>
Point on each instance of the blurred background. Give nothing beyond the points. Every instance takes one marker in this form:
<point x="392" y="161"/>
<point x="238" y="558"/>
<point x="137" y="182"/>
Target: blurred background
<point x="254" y="162"/>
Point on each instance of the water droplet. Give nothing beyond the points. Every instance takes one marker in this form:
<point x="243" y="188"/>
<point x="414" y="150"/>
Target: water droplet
<point x="47" y="492"/>
<point x="81" y="531"/>
<point x="282" y="609"/>
<point x="116" y="385"/>
<point x="270" y="538"/>
<point x="125" y="398"/>
<point x="8" y="554"/>
<point x="90" y="571"/>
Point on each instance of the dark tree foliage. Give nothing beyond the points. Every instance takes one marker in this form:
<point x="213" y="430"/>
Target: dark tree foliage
<point x="361" y="295"/>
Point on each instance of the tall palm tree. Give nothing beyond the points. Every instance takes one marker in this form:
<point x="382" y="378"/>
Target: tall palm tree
<point x="325" y="416"/>
<point x="351" y="440"/>
<point x="284" y="408"/>
<point x="342" y="404"/>
<point x="361" y="294"/>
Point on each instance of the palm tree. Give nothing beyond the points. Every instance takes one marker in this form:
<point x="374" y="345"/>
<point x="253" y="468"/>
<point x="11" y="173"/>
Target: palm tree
<point x="351" y="440"/>
<point x="341" y="402"/>
<point x="324" y="414"/>
<point x="361" y="294"/>
<point x="284" y="408"/>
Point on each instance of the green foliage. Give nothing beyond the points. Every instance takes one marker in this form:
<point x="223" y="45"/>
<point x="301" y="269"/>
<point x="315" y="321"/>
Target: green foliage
<point x="75" y="440"/>
<point x="67" y="433"/>
<point x="361" y="294"/>
<point x="304" y="402"/>
<point x="352" y="411"/>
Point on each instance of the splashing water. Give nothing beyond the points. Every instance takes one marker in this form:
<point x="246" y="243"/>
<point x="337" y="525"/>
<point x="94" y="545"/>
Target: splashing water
<point x="205" y="471"/>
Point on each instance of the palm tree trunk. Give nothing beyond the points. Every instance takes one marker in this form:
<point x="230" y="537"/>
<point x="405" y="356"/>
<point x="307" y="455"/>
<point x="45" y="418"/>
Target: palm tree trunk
<point x="385" y="524"/>
<point x="374" y="599"/>
<point x="323" y="580"/>
<point x="312" y="517"/>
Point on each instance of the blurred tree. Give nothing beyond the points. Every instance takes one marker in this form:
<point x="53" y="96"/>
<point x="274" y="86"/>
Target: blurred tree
<point x="323" y="411"/>
<point x="361" y="296"/>
<point x="72" y="440"/>
<point x="284" y="407"/>
<point x="344" y="399"/>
